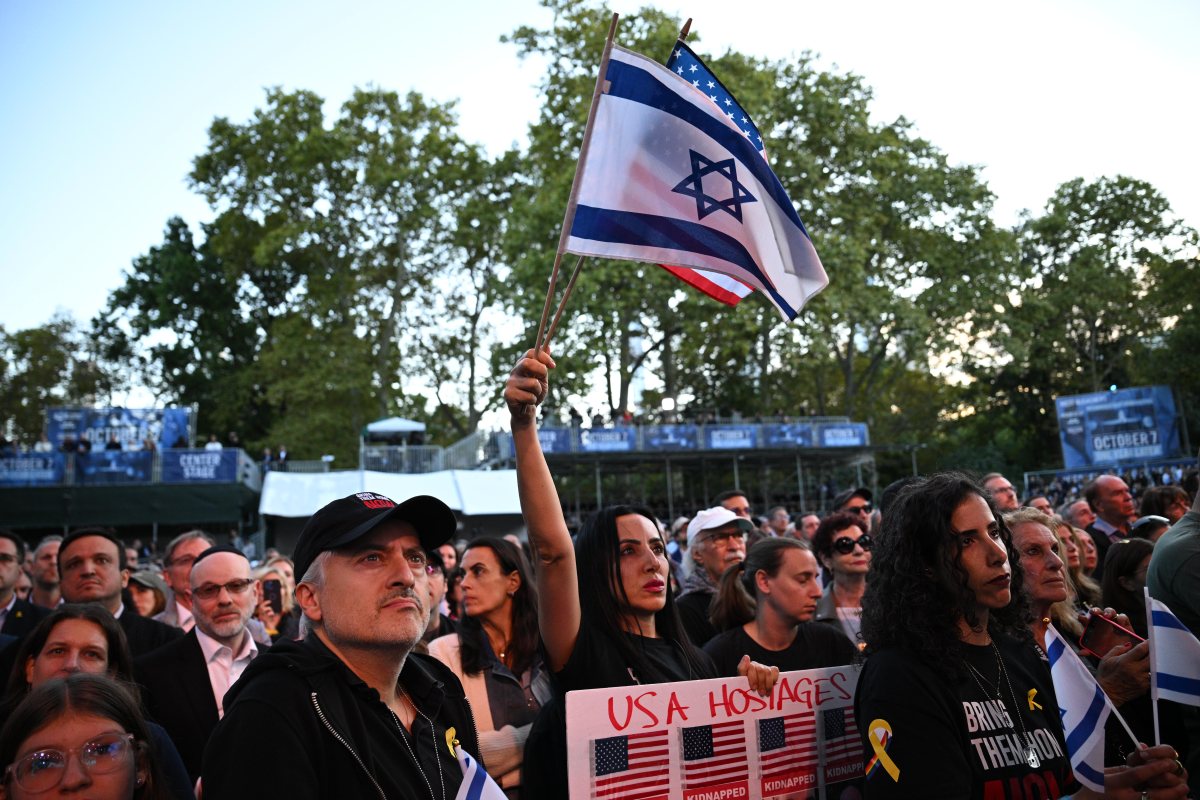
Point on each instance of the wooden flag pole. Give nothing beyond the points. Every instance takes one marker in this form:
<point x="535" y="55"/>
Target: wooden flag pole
<point x="683" y="32"/>
<point x="572" y="199"/>
<point x="563" y="304"/>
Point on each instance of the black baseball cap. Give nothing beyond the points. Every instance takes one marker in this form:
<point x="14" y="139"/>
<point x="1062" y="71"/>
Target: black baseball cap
<point x="844" y="497"/>
<point x="346" y="520"/>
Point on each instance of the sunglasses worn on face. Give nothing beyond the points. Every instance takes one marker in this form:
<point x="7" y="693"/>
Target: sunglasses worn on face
<point x="845" y="545"/>
<point x="866" y="508"/>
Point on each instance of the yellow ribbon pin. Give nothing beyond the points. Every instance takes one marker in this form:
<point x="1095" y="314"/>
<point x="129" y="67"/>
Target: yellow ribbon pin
<point x="451" y="741"/>
<point x="881" y="737"/>
<point x="1034" y="705"/>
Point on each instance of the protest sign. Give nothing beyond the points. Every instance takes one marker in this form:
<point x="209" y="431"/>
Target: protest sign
<point x="717" y="740"/>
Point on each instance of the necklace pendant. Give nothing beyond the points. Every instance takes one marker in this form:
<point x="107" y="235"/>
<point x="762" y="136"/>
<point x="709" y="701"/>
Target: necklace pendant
<point x="1031" y="756"/>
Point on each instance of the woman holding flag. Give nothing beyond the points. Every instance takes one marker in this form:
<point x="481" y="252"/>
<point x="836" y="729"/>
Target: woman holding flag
<point x="955" y="700"/>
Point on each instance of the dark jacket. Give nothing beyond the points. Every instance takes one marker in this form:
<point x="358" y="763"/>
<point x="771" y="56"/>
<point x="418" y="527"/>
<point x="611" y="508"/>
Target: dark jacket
<point x="178" y="695"/>
<point x="299" y="702"/>
<point x="22" y="618"/>
<point x="144" y="634"/>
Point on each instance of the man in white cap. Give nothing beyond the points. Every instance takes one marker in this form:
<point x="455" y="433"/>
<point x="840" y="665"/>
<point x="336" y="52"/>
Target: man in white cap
<point x="716" y="540"/>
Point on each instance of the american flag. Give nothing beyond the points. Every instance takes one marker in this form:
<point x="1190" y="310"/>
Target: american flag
<point x="714" y="754"/>
<point x="687" y="65"/>
<point x="633" y="767"/>
<point x="787" y="744"/>
<point x="843" y="747"/>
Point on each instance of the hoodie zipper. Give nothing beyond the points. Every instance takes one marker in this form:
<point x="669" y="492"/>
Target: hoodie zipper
<point x="346" y="744"/>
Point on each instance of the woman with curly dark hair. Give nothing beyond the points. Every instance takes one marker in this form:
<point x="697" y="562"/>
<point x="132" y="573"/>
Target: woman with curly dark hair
<point x="955" y="698"/>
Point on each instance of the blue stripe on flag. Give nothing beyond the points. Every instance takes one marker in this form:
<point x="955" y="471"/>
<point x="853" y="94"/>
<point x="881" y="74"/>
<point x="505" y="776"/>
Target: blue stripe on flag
<point x="1088" y="771"/>
<point x="1088" y="725"/>
<point x="1165" y="619"/>
<point x="639" y="86"/>
<point x="648" y="230"/>
<point x="1178" y="683"/>
<point x="1055" y="651"/>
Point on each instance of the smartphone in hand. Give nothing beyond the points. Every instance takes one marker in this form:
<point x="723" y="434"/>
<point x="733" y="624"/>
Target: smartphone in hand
<point x="1101" y="635"/>
<point x="273" y="592"/>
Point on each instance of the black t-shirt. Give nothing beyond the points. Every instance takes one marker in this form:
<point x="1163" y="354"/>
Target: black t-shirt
<point x="693" y="610"/>
<point x="596" y="662"/>
<point x="955" y="741"/>
<point x="815" y="645"/>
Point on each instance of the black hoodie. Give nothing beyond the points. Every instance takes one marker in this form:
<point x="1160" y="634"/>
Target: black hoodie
<point x="300" y="724"/>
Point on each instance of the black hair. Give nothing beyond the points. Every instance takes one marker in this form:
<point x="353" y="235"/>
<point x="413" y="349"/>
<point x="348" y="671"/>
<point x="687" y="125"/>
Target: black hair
<point x="93" y="695"/>
<point x="17" y="541"/>
<point x="736" y="599"/>
<point x="917" y="590"/>
<point x="888" y="495"/>
<point x="103" y="533"/>
<point x="120" y="662"/>
<point x="1158" y="499"/>
<point x="525" y="636"/>
<point x="822" y="540"/>
<point x="602" y="596"/>
<point x="1122" y="561"/>
<point x="729" y="494"/>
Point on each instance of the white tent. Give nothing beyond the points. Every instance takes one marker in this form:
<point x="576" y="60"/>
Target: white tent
<point x="469" y="492"/>
<point x="392" y="425"/>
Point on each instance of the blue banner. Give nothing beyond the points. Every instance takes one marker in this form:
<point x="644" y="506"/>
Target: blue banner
<point x="130" y="427"/>
<point x="670" y="437"/>
<point x="187" y="466"/>
<point x="32" y="469"/>
<point x="796" y="434"/>
<point x="608" y="440"/>
<point x="1106" y="428"/>
<point x="843" y="434"/>
<point x="114" y="466"/>
<point x="731" y="437"/>
<point x="555" y="440"/>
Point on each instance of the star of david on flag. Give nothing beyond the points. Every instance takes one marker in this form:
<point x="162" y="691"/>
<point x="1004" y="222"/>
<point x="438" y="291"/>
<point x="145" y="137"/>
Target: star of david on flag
<point x="670" y="179"/>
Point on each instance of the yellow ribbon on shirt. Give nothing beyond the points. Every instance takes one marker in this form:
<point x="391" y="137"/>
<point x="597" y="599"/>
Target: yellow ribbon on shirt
<point x="880" y="734"/>
<point x="1034" y="705"/>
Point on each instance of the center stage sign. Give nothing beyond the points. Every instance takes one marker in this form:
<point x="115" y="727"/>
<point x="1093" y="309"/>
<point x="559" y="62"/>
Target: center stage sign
<point x="717" y="740"/>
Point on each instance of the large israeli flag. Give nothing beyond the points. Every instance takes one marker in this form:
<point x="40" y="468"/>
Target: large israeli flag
<point x="669" y="178"/>
<point x="1084" y="708"/>
<point x="1174" y="656"/>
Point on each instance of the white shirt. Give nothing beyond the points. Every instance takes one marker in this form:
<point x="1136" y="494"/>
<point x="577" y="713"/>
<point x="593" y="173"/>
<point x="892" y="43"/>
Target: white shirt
<point x="183" y="617"/>
<point x="224" y="666"/>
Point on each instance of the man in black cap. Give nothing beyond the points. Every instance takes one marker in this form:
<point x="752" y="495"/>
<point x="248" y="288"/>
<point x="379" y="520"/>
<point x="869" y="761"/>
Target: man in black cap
<point x="856" y="501"/>
<point x="351" y="711"/>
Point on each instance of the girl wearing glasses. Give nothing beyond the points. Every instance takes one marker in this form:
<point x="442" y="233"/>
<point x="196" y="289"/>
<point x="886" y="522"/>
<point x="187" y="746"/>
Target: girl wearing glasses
<point x="843" y="547"/>
<point x="763" y="606"/>
<point x="78" y="736"/>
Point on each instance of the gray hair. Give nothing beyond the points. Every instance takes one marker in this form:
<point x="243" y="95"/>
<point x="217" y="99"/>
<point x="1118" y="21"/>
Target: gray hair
<point x="314" y="575"/>
<point x="187" y="537"/>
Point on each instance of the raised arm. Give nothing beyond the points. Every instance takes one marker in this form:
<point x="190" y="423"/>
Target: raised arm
<point x="554" y="554"/>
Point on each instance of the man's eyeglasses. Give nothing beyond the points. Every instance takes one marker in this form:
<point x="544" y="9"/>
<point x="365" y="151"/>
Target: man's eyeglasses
<point x="210" y="590"/>
<point x="845" y="545"/>
<point x="865" y="508"/>
<point x="42" y="770"/>
<point x="182" y="561"/>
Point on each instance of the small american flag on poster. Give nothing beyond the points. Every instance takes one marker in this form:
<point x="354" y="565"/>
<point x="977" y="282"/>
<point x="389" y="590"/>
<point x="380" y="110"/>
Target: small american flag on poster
<point x="787" y="748"/>
<point x="632" y="767"/>
<point x="714" y="755"/>
<point x="843" y="747"/>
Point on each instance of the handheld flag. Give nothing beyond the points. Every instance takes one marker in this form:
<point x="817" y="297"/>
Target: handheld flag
<point x="476" y="783"/>
<point x="670" y="179"/>
<point x="1084" y="708"/>
<point x="1174" y="656"/>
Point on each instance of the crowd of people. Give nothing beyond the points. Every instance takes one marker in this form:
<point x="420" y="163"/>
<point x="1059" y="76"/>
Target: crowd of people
<point x="383" y="658"/>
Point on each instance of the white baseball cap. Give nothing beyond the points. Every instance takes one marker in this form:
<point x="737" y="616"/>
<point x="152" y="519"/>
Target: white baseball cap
<point x="717" y="517"/>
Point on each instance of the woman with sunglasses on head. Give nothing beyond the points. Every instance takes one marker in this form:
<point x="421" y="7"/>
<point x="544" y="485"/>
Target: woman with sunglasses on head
<point x="955" y="699"/>
<point x="765" y="605"/>
<point x="843" y="547"/>
<point x="606" y="608"/>
<point x="79" y="736"/>
<point x="496" y="655"/>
